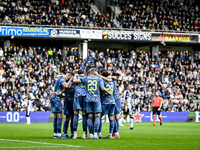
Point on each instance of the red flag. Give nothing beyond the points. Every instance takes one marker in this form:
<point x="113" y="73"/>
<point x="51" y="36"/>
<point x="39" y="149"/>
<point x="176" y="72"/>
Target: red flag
<point x="63" y="1"/>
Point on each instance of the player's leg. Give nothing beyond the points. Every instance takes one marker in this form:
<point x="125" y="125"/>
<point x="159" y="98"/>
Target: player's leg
<point x="111" y="118"/>
<point x="59" y="123"/>
<point x="123" y="118"/>
<point x="55" y="125"/>
<point x="66" y="125"/>
<point x="100" y="128"/>
<point x="131" y="119"/>
<point x="76" y="115"/>
<point x="71" y="126"/>
<point x="97" y="110"/>
<point x="89" y="110"/>
<point x="71" y="114"/>
<point x="117" y="113"/>
<point x="154" y="116"/>
<point x="158" y="113"/>
<point x="84" y="116"/>
<point x="96" y="124"/>
<point x="67" y="119"/>
<point x="28" y="116"/>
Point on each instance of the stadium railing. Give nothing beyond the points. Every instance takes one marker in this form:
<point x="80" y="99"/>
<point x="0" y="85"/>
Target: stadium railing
<point x="97" y="28"/>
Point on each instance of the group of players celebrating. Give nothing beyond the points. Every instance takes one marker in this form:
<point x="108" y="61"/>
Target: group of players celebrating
<point x="95" y="94"/>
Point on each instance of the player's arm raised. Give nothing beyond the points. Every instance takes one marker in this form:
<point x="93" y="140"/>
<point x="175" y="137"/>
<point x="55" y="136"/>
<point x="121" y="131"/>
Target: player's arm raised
<point x="75" y="80"/>
<point x="108" y="79"/>
<point x="105" y="90"/>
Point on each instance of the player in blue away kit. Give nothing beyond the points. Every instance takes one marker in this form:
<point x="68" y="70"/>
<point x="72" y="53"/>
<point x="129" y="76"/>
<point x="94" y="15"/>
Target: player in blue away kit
<point x="117" y="110"/>
<point x="56" y="105"/>
<point x="68" y="107"/>
<point x="108" y="104"/>
<point x="79" y="104"/>
<point x="93" y="85"/>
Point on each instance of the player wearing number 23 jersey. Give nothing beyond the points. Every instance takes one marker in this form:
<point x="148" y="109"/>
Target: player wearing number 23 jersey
<point x="108" y="102"/>
<point x="93" y="84"/>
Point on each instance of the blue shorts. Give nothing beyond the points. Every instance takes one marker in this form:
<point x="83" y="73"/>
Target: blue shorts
<point x="108" y="109"/>
<point x="79" y="103"/>
<point x="56" y="105"/>
<point x="117" y="107"/>
<point x="93" y="107"/>
<point x="68" y="108"/>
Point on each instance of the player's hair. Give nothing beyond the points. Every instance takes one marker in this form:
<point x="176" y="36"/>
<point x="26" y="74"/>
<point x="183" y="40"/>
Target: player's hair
<point x="81" y="71"/>
<point x="105" y="73"/>
<point x="71" y="73"/>
<point x="127" y="86"/>
<point x="75" y="71"/>
<point x="92" y="70"/>
<point x="101" y="70"/>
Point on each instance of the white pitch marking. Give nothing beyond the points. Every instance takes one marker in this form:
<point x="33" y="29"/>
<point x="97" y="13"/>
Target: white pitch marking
<point x="31" y="147"/>
<point x="67" y="145"/>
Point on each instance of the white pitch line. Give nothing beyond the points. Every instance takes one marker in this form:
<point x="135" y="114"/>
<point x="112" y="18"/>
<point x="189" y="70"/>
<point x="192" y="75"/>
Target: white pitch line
<point x="31" y="147"/>
<point x="53" y="144"/>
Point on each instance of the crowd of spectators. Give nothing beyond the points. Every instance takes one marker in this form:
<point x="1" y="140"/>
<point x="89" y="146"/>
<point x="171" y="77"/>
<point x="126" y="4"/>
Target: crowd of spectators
<point x="76" y="13"/>
<point x="30" y="70"/>
<point x="160" y="15"/>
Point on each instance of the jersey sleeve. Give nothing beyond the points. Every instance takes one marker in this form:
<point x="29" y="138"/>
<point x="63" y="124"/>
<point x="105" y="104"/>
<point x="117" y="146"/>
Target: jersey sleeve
<point x="82" y="79"/>
<point x="62" y="81"/>
<point x="101" y="84"/>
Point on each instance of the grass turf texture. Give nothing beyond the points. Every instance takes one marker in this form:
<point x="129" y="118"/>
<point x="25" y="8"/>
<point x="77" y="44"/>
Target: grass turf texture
<point x="172" y="136"/>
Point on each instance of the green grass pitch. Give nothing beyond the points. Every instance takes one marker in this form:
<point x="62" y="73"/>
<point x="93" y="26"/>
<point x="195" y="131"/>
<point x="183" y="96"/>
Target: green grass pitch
<point x="170" y="136"/>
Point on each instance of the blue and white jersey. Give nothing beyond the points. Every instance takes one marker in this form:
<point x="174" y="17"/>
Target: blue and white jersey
<point x="79" y="88"/>
<point x="58" y="84"/>
<point x="93" y="84"/>
<point x="69" y="95"/>
<point x="115" y="91"/>
<point x="105" y="97"/>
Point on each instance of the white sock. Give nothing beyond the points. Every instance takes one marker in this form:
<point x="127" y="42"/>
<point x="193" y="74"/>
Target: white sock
<point x="26" y="119"/>
<point x="110" y="134"/>
<point x="117" y="133"/>
<point x="58" y="134"/>
<point x="91" y="135"/>
<point x="99" y="133"/>
<point x="95" y="133"/>
<point x="55" y="134"/>
<point x="75" y="133"/>
<point x="121" y="120"/>
<point x="83" y="133"/>
<point x="29" y="119"/>
<point x="131" y="122"/>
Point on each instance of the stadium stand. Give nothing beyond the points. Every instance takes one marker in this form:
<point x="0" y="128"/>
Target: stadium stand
<point x="76" y="13"/>
<point x="159" y="15"/>
<point x="25" y="70"/>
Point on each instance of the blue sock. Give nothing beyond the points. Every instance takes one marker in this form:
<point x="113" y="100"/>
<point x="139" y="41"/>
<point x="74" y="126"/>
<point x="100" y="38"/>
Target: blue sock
<point x="55" y="125"/>
<point x="90" y="124"/>
<point x="96" y="123"/>
<point x="65" y="127"/>
<point x="111" y="126"/>
<point x="117" y="122"/>
<point x="84" y="123"/>
<point x="75" y="122"/>
<point x="100" y="125"/>
<point x="71" y="127"/>
<point x="59" y="124"/>
<point x="115" y="126"/>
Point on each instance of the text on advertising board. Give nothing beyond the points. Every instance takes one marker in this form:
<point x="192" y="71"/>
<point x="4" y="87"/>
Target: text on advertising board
<point x="126" y="35"/>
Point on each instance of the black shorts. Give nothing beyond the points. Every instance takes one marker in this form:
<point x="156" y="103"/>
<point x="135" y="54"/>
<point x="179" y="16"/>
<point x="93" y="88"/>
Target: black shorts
<point x="129" y="112"/>
<point x="155" y="110"/>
